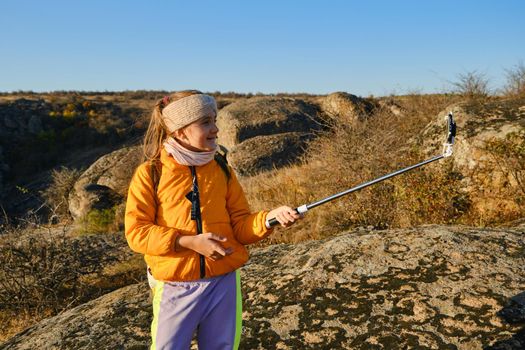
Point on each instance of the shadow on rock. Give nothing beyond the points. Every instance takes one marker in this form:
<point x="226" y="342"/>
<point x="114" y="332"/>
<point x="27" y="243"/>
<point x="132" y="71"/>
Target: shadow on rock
<point x="512" y="313"/>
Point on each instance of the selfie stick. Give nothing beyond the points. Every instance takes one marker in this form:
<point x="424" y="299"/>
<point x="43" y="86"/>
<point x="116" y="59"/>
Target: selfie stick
<point x="447" y="152"/>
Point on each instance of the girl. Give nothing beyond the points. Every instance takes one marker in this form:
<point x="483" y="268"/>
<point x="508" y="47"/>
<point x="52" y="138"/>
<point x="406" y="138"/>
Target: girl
<point x="187" y="213"/>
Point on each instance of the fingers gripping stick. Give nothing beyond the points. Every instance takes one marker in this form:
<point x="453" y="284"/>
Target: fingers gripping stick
<point x="273" y="221"/>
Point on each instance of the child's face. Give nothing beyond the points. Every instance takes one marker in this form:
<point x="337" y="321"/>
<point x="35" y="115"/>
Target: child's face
<point x="200" y="135"/>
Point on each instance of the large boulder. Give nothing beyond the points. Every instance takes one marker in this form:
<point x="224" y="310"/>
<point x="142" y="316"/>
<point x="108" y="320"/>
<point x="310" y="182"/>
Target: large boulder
<point x="429" y="287"/>
<point x="261" y="153"/>
<point x="263" y="133"/>
<point x="260" y="116"/>
<point x="346" y="107"/>
<point x="105" y="183"/>
<point x="436" y="287"/>
<point x="118" y="320"/>
<point x="493" y="181"/>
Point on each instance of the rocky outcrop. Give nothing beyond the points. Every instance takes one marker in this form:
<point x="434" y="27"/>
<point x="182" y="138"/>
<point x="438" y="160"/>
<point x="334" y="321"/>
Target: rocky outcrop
<point x="493" y="181"/>
<point x="22" y="117"/>
<point x="118" y="320"/>
<point x="262" y="153"/>
<point x="259" y="130"/>
<point x="18" y="120"/>
<point x="260" y="116"/>
<point x="346" y="107"/>
<point x="105" y="183"/>
<point x="41" y="132"/>
<point x="4" y="168"/>
<point x="434" y="287"/>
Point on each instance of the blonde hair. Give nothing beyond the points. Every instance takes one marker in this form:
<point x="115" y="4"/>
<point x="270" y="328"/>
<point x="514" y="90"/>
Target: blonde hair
<point x="157" y="131"/>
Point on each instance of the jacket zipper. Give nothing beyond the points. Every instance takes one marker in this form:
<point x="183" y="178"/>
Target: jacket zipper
<point x="196" y="215"/>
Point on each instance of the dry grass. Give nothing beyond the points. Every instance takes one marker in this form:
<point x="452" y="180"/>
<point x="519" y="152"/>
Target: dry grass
<point x="509" y="154"/>
<point x="350" y="155"/>
<point x="118" y="274"/>
<point x="13" y="322"/>
<point x="44" y="271"/>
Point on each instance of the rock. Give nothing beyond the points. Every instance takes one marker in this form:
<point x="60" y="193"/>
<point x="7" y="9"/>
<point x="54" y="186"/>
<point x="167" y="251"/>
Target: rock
<point x="436" y="287"/>
<point x="4" y="168"/>
<point x="392" y="106"/>
<point x="105" y="196"/>
<point x="345" y="106"/>
<point x="105" y="183"/>
<point x="34" y="125"/>
<point x="262" y="153"/>
<point x="490" y="180"/>
<point x="118" y="320"/>
<point x="22" y="116"/>
<point x="429" y="287"/>
<point x="263" y="133"/>
<point x="11" y="122"/>
<point x="258" y="116"/>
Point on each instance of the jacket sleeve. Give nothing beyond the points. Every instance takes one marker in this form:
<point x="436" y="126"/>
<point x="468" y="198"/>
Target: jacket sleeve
<point x="142" y="234"/>
<point x="248" y="227"/>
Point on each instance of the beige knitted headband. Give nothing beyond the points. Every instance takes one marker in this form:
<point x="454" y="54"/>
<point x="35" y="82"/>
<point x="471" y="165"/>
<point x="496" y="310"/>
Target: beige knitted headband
<point x="188" y="109"/>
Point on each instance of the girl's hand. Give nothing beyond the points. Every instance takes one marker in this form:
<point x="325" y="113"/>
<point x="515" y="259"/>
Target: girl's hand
<point x="285" y="215"/>
<point x="207" y="244"/>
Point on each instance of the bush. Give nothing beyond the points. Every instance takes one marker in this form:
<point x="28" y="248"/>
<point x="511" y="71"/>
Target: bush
<point x="429" y="195"/>
<point x="56" y="195"/>
<point x="472" y="85"/>
<point x="515" y="85"/>
<point x="44" y="271"/>
<point x="509" y="154"/>
<point x="39" y="274"/>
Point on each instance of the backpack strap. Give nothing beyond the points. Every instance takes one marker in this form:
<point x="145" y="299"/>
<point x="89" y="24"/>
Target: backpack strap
<point x="220" y="158"/>
<point x="155" y="173"/>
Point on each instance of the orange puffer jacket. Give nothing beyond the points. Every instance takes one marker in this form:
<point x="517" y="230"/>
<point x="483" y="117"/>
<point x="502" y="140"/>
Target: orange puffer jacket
<point x="151" y="230"/>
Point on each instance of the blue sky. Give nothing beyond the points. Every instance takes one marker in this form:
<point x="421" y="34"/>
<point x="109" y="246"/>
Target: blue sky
<point x="361" y="47"/>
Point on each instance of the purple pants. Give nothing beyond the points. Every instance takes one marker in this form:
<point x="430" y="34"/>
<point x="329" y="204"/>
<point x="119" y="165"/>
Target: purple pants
<point x="212" y="307"/>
